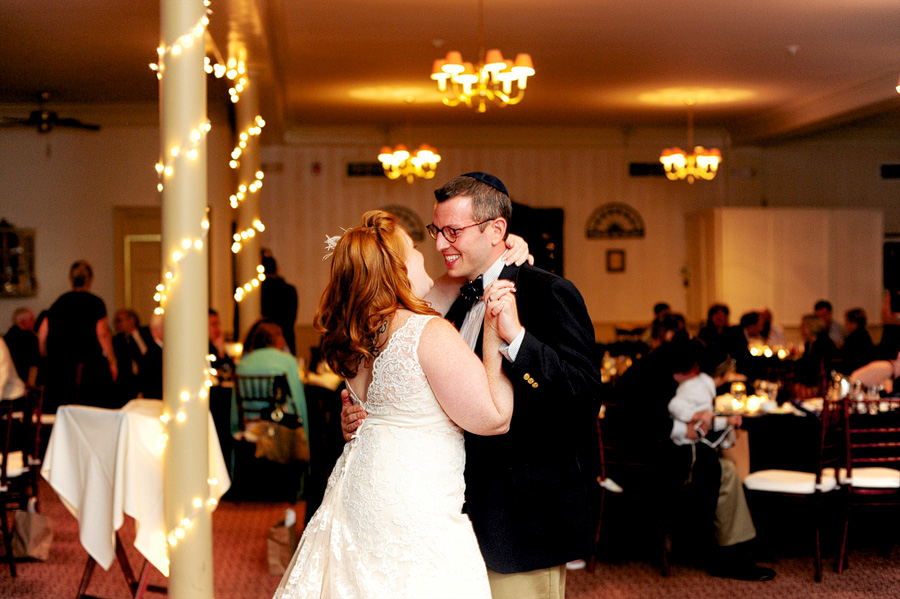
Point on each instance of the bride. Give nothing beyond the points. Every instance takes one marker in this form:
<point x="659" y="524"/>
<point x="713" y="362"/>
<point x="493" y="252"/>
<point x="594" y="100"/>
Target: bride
<point x="390" y="524"/>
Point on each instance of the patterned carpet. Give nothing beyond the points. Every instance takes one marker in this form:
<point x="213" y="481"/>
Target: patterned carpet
<point x="241" y="570"/>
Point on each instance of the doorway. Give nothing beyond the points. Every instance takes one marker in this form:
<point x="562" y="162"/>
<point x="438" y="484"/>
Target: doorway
<point x="138" y="233"/>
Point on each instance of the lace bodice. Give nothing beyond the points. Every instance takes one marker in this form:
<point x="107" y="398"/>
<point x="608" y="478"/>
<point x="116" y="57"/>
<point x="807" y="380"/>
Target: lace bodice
<point x="399" y="385"/>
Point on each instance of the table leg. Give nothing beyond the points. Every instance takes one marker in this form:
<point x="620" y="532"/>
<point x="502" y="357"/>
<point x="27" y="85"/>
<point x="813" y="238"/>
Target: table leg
<point x="122" y="558"/>
<point x="86" y="577"/>
<point x="137" y="586"/>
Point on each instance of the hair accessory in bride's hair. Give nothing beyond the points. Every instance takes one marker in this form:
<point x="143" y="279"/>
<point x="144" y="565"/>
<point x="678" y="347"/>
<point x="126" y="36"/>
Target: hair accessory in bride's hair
<point x="331" y="243"/>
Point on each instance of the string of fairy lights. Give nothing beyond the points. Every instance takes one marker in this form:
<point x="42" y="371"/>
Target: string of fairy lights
<point x="189" y="149"/>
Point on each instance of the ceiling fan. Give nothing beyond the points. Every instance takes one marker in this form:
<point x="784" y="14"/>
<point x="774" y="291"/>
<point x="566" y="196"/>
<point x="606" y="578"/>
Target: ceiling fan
<point x="45" y="120"/>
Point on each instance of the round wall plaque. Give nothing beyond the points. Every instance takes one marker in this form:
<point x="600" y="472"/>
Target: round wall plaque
<point x="615" y="221"/>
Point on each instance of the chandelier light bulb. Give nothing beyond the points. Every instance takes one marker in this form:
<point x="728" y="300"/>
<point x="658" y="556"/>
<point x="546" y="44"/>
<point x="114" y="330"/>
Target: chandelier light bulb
<point x="492" y="79"/>
<point x="399" y="162"/>
<point x="701" y="163"/>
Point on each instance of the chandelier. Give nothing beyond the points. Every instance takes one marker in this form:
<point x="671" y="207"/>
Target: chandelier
<point x="400" y="163"/>
<point x="699" y="164"/>
<point x="493" y="78"/>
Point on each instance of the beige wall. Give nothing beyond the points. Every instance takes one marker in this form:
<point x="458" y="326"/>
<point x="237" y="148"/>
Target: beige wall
<point x="65" y="185"/>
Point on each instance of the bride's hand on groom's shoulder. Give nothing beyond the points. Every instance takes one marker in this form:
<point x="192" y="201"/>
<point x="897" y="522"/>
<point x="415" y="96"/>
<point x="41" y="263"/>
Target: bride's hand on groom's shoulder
<point x="352" y="415"/>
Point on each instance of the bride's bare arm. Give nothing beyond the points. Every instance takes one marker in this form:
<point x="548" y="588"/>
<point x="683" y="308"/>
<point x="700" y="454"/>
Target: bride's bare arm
<point x="443" y="293"/>
<point x="475" y="396"/>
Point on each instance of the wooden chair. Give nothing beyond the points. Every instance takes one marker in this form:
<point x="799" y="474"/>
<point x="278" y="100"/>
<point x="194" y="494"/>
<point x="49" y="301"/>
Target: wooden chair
<point x="11" y="466"/>
<point x="638" y="473"/>
<point x="259" y="397"/>
<point x="810" y="486"/>
<point x="607" y="485"/>
<point x="872" y="473"/>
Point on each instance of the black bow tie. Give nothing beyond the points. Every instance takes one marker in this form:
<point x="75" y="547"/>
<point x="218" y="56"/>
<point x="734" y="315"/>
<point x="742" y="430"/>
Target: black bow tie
<point x="472" y="290"/>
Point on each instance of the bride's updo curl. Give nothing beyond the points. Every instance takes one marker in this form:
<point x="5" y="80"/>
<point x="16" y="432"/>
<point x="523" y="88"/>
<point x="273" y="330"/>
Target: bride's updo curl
<point x="368" y="284"/>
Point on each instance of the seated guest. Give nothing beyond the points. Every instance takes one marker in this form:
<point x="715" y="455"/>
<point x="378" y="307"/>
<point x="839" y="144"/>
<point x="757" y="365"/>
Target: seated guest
<point x="221" y="362"/>
<point x="835" y="330"/>
<point x="23" y="345"/>
<point x="264" y="355"/>
<point x="858" y="348"/>
<point x="638" y="425"/>
<point x="737" y="345"/>
<point x="713" y="335"/>
<point x="138" y="357"/>
<point x="819" y="353"/>
<point x="11" y="386"/>
<point x="660" y="311"/>
<point x="712" y="496"/>
<point x="772" y="334"/>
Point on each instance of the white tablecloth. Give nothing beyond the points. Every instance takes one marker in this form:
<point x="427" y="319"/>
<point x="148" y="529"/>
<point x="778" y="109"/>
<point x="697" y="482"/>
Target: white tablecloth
<point x="104" y="464"/>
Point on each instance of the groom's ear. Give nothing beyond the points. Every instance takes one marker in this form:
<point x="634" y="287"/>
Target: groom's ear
<point x="498" y="230"/>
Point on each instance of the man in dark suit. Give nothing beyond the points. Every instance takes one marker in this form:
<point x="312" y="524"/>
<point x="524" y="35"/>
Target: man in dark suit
<point x="278" y="300"/>
<point x="138" y="357"/>
<point x="529" y="492"/>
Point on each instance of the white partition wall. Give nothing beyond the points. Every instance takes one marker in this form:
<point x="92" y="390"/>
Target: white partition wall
<point x="786" y="259"/>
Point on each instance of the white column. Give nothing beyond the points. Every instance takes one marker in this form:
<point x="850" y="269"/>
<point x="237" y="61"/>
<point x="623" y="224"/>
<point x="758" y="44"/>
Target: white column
<point x="184" y="199"/>
<point x="248" y="259"/>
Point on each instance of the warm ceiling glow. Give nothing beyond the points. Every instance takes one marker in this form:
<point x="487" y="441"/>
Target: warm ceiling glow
<point x="679" y="96"/>
<point x="392" y="94"/>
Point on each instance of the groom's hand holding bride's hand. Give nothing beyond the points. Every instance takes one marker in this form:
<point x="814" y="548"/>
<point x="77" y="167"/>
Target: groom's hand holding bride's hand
<point x="352" y="415"/>
<point x="502" y="312"/>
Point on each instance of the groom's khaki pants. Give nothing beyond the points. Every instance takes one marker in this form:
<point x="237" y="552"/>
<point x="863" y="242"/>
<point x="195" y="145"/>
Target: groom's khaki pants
<point x="546" y="583"/>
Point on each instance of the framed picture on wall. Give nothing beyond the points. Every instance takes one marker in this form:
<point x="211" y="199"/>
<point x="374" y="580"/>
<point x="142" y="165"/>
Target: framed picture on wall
<point x="615" y="260"/>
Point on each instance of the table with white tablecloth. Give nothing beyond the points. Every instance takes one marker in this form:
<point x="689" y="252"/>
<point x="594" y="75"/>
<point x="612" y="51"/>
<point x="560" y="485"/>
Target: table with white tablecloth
<point x="105" y="464"/>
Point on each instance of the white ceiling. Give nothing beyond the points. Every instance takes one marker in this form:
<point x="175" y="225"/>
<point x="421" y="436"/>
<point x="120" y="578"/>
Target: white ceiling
<point x="760" y="69"/>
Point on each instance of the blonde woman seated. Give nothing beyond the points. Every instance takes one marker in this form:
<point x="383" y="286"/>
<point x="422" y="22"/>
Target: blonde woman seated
<point x="390" y="524"/>
<point x="264" y="355"/>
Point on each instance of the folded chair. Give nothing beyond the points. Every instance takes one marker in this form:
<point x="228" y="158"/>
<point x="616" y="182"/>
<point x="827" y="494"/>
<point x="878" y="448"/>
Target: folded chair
<point x="810" y="486"/>
<point x="872" y="473"/>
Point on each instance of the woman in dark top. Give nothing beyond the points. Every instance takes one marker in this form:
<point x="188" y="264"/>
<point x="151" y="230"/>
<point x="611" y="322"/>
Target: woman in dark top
<point x="76" y="340"/>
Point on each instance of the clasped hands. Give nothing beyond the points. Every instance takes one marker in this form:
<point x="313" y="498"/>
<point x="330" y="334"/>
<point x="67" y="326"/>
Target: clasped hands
<point x="501" y="313"/>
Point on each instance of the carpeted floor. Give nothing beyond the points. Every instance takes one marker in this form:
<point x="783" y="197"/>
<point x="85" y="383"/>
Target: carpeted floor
<point x="241" y="570"/>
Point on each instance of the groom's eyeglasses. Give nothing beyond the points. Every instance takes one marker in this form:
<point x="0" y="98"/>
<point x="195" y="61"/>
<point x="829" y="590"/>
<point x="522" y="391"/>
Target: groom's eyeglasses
<point x="449" y="233"/>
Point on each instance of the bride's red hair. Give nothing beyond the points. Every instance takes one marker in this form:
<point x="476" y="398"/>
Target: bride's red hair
<point x="368" y="284"/>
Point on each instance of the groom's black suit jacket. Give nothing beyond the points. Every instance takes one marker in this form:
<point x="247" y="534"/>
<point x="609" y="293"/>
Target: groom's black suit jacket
<point x="529" y="492"/>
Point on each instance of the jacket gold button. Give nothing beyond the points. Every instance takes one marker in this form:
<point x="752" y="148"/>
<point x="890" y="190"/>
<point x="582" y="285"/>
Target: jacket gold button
<point x="527" y="376"/>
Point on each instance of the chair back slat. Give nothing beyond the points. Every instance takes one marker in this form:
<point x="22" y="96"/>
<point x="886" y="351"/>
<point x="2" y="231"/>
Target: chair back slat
<point x="873" y="432"/>
<point x="259" y="396"/>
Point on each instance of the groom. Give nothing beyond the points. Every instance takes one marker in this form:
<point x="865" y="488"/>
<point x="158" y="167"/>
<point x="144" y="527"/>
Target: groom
<point x="528" y="492"/>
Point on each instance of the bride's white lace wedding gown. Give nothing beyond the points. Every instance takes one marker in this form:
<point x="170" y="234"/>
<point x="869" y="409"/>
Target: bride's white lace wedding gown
<point x="390" y="524"/>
